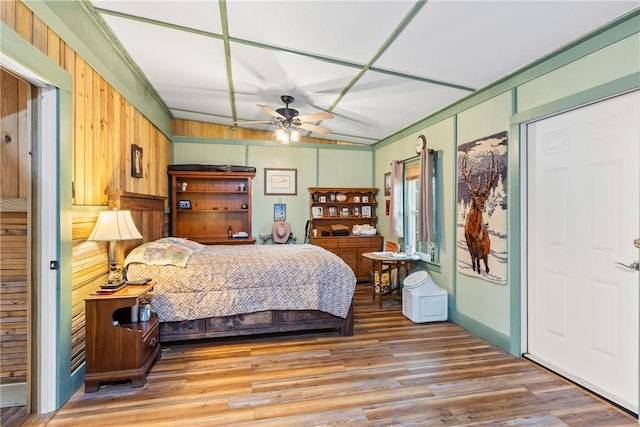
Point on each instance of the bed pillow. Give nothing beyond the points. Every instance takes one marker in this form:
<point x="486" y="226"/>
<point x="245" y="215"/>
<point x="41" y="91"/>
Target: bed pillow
<point x="166" y="251"/>
<point x="181" y="241"/>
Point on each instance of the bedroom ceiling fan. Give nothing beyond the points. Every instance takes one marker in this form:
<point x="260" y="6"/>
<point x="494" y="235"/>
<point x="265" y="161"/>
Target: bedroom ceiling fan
<point x="288" y="121"/>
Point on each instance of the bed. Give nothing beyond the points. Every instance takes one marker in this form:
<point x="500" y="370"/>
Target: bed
<point x="234" y="290"/>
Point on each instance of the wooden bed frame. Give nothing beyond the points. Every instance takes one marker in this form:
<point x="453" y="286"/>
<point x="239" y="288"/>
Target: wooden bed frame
<point x="148" y="212"/>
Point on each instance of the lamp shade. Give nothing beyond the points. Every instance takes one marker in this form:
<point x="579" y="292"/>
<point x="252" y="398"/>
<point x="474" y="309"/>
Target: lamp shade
<point x="115" y="225"/>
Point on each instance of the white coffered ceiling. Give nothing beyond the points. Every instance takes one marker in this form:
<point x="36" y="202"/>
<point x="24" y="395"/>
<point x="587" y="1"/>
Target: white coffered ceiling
<point x="377" y="66"/>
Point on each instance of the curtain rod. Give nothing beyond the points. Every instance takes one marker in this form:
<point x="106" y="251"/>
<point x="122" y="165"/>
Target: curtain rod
<point x="430" y="150"/>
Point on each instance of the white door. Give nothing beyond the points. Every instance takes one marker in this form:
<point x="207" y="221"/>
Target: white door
<point x="582" y="217"/>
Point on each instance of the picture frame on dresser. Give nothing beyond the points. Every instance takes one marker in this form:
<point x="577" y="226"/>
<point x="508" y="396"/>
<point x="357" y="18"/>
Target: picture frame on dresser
<point x="316" y="211"/>
<point x="366" y="211"/>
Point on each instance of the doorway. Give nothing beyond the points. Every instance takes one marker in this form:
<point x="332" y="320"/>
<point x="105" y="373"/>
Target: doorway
<point x="30" y="119"/>
<point x="583" y="186"/>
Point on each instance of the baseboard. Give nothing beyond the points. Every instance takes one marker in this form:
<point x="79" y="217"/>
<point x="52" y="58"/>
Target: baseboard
<point x="13" y="395"/>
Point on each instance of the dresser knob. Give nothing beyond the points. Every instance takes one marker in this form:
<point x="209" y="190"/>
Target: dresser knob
<point x="153" y="342"/>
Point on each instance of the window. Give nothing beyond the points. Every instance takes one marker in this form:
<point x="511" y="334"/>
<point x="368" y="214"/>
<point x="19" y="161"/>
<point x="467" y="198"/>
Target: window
<point x="428" y="251"/>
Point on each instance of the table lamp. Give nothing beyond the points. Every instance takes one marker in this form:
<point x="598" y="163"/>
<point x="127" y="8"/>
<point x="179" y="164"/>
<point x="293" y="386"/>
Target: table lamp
<point x="111" y="227"/>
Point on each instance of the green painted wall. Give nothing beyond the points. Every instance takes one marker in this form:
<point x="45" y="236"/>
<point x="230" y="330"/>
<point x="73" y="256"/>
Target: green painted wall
<point x="603" y="65"/>
<point x="325" y="166"/>
<point x="590" y="71"/>
<point x="479" y="299"/>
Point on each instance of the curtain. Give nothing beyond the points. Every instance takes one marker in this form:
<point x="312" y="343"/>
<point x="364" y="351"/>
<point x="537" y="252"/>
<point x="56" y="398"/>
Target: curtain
<point x="425" y="197"/>
<point x="397" y="212"/>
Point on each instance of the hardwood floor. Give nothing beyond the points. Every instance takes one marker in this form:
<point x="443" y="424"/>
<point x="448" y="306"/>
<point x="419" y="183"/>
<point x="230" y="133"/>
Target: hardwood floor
<point x="391" y="372"/>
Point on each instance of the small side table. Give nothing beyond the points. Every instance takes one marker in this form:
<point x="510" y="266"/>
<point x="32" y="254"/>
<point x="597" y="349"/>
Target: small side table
<point x="392" y="261"/>
<point x="117" y="348"/>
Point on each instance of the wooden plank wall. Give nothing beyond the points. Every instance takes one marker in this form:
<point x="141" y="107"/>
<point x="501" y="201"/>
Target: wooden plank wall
<point x="14" y="221"/>
<point x="13" y="297"/>
<point x="194" y="129"/>
<point x="105" y="125"/>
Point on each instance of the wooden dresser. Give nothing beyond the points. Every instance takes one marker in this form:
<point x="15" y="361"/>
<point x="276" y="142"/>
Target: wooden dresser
<point x="346" y="206"/>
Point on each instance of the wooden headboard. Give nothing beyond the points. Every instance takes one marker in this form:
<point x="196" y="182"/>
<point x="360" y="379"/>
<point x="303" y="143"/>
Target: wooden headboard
<point x="148" y="213"/>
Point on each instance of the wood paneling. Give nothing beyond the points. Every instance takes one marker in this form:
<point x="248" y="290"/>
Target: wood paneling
<point x="13" y="296"/>
<point x="196" y="129"/>
<point x="88" y="270"/>
<point x="14" y="231"/>
<point x="390" y="372"/>
<point x="104" y="124"/>
<point x="14" y="149"/>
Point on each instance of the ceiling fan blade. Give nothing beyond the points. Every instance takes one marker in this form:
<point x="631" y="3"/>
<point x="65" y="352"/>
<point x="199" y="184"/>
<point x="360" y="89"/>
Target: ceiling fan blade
<point x="314" y="128"/>
<point x="322" y="115"/>
<point x="271" y="111"/>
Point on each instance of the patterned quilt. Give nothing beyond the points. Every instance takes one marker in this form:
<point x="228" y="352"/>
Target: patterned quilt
<point x="224" y="280"/>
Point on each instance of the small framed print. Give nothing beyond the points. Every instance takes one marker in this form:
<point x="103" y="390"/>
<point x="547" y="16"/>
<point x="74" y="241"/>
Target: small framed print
<point x="366" y="211"/>
<point x="344" y="212"/>
<point x="356" y="211"/>
<point x="356" y="199"/>
<point x="136" y="161"/>
<point x="387" y="184"/>
<point x="323" y="199"/>
<point x="316" y="211"/>
<point x="332" y="197"/>
<point x="365" y="199"/>
<point x="184" y="204"/>
<point x="279" y="212"/>
<point x="333" y="211"/>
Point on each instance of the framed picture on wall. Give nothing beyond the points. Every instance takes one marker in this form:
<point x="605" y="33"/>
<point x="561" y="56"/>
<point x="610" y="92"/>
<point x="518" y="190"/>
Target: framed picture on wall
<point x="279" y="212"/>
<point x="387" y="184"/>
<point x="136" y="161"/>
<point x="280" y="182"/>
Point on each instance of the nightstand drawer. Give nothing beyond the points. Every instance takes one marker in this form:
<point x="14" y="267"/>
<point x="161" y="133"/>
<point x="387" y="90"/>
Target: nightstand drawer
<point x="150" y="340"/>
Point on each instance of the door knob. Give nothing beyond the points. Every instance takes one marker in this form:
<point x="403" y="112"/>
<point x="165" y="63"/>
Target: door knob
<point x="633" y="266"/>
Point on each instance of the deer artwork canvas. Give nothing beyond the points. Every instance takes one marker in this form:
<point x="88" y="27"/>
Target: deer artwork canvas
<point x="481" y="220"/>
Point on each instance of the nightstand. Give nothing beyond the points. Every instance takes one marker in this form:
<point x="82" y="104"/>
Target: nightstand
<point x="117" y="348"/>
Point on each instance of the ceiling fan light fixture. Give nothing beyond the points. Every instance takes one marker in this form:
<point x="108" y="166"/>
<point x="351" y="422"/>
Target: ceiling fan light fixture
<point x="281" y="135"/>
<point x="294" y="135"/>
